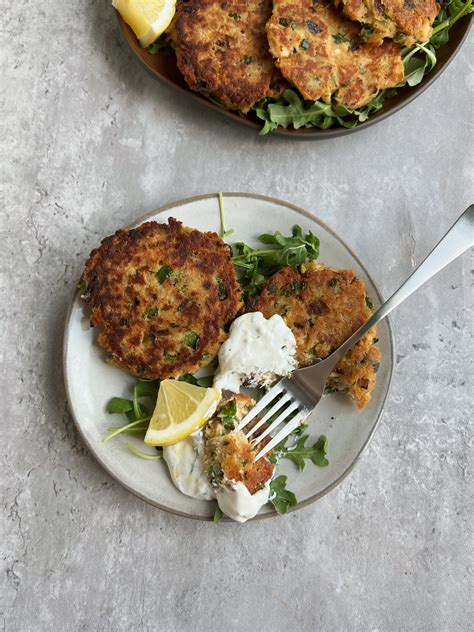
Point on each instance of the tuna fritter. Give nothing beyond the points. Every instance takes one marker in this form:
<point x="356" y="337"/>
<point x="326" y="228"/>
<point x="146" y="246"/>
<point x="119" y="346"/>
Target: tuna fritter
<point x="323" y="307"/>
<point x="162" y="295"/>
<point x="228" y="455"/>
<point x="222" y="50"/>
<point x="406" y="21"/>
<point x="321" y="54"/>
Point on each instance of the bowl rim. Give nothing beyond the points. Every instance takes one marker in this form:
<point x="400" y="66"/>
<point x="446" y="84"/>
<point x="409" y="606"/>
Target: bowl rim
<point x="300" y="504"/>
<point x="303" y="133"/>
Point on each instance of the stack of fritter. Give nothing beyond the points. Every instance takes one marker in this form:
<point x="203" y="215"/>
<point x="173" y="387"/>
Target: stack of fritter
<point x="241" y="52"/>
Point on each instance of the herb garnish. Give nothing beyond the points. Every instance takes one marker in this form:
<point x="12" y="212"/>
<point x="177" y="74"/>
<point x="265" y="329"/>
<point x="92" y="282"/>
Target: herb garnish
<point x="228" y="415"/>
<point x="170" y="357"/>
<point x="280" y="497"/>
<point x="138" y="413"/>
<point x="204" y="382"/>
<point x="255" y="265"/>
<point x="234" y="16"/>
<point x="152" y="312"/>
<point x="191" y="339"/>
<point x="163" y="273"/>
<point x="217" y="515"/>
<point x="248" y="59"/>
<point x="340" y="39"/>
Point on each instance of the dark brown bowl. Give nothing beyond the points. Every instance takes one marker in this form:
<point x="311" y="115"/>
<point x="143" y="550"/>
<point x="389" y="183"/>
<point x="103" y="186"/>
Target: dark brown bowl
<point x="163" y="67"/>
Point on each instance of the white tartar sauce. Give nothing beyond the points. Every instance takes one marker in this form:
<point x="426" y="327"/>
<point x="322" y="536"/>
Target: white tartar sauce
<point x="256" y="352"/>
<point x="186" y="465"/>
<point x="185" y="461"/>
<point x="235" y="500"/>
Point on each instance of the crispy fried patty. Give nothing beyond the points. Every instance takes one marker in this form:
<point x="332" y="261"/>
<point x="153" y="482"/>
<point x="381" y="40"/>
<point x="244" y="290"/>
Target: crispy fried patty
<point x="162" y="295"/>
<point x="222" y="50"/>
<point x="323" y="307"/>
<point x="228" y="455"/>
<point x="406" y="21"/>
<point x="321" y="53"/>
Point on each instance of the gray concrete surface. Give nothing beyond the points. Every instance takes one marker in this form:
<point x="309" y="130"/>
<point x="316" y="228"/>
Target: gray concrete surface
<point x="88" y="142"/>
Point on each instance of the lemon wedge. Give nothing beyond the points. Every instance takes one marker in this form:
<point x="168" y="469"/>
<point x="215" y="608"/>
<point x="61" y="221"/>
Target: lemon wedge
<point x="180" y="410"/>
<point x="148" y="18"/>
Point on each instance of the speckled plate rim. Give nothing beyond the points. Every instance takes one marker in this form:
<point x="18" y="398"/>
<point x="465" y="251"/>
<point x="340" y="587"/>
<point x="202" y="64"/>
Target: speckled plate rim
<point x="304" y="133"/>
<point x="304" y="213"/>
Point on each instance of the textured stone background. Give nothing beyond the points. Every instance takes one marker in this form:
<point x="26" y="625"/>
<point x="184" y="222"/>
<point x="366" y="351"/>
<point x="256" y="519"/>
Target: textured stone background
<point x="90" y="141"/>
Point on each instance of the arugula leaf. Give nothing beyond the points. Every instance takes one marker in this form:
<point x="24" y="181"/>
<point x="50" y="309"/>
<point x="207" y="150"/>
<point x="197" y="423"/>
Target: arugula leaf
<point x="163" y="273"/>
<point x="204" y="382"/>
<point x="228" y="415"/>
<point x="191" y="339"/>
<point x="161" y="45"/>
<point x="280" y="497"/>
<point x="143" y="455"/>
<point x="299" y="452"/>
<point x="217" y="515"/>
<point x="147" y="388"/>
<point x="118" y="405"/>
<point x="254" y="266"/>
<point x="137" y="413"/>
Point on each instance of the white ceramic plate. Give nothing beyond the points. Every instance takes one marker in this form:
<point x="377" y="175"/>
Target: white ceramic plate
<point x="90" y="382"/>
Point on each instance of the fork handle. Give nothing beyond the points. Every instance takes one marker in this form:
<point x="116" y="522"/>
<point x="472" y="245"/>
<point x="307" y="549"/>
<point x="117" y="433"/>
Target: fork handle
<point x="458" y="239"/>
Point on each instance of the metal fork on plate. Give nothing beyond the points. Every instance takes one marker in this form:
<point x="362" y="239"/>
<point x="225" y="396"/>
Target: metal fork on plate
<point x="293" y="398"/>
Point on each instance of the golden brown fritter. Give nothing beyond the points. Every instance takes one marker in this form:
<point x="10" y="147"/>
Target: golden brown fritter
<point x="405" y="21"/>
<point x="321" y="54"/>
<point x="323" y="307"/>
<point x="162" y="295"/>
<point x="228" y="455"/>
<point x="222" y="50"/>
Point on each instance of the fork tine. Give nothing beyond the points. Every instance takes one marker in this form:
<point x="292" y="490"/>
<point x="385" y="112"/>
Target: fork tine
<point x="286" y="413"/>
<point x="281" y="403"/>
<point x="261" y="404"/>
<point x="284" y="432"/>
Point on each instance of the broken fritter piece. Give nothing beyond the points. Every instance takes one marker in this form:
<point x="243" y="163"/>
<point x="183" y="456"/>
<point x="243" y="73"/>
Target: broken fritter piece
<point x="405" y="21"/>
<point x="228" y="455"/>
<point x="321" y="53"/>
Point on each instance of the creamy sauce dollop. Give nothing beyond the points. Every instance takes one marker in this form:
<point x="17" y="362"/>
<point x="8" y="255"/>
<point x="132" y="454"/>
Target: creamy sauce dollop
<point x="185" y="461"/>
<point x="186" y="465"/>
<point x="257" y="351"/>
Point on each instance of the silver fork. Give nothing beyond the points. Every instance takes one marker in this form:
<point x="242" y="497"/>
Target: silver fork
<point x="299" y="394"/>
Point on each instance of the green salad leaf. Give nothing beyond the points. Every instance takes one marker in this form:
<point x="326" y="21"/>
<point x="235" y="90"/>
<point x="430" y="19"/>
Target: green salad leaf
<point x="118" y="405"/>
<point x="204" y="382"/>
<point x="299" y="452"/>
<point x="217" y="515"/>
<point x="280" y="497"/>
<point x="137" y="412"/>
<point x="291" y="110"/>
<point x="255" y="265"/>
<point x="144" y="455"/>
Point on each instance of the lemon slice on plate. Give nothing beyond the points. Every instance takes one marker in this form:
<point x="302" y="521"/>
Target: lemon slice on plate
<point x="148" y="18"/>
<point x="180" y="410"/>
